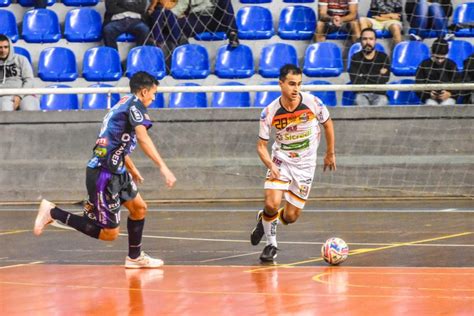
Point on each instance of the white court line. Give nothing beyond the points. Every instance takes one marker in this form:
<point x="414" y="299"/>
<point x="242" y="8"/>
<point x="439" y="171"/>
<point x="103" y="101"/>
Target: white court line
<point x="21" y="265"/>
<point x="229" y="257"/>
<point x="449" y="210"/>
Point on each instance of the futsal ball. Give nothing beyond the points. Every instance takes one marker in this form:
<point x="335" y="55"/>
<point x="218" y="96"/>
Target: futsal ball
<point x="334" y="251"/>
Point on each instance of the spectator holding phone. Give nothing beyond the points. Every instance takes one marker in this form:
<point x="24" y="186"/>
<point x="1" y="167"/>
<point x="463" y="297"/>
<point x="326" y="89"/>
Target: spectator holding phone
<point x="438" y="69"/>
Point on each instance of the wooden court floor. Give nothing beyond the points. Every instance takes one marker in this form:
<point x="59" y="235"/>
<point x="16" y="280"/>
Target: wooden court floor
<point x="404" y="260"/>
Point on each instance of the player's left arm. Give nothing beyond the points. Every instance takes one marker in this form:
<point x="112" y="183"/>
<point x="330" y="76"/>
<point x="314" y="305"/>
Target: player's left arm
<point x="136" y="176"/>
<point x="330" y="158"/>
<point x="150" y="150"/>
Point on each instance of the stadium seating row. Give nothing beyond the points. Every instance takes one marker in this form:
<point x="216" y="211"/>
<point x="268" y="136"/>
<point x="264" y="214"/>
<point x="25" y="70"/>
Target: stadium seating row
<point x="69" y="3"/>
<point x="219" y="99"/>
<point x="191" y="61"/>
<point x="295" y="23"/>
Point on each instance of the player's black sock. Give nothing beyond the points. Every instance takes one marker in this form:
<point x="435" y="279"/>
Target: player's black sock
<point x="79" y="223"/>
<point x="135" y="232"/>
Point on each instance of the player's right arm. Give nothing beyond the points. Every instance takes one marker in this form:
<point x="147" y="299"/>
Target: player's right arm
<point x="150" y="150"/>
<point x="265" y="157"/>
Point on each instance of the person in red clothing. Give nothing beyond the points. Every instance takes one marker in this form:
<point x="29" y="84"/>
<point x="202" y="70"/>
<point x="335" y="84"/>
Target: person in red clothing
<point x="335" y="15"/>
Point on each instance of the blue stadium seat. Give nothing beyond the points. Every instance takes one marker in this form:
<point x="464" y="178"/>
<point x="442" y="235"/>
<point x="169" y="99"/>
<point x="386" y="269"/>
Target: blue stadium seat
<point x="8" y="26"/>
<point x="83" y="25"/>
<point x="23" y="51"/>
<point x="348" y="98"/>
<point x="274" y="56"/>
<point x="264" y="98"/>
<point x="79" y="3"/>
<point x="55" y="102"/>
<point x="397" y="97"/>
<point x="230" y="99"/>
<point x="338" y="35"/>
<point x="357" y="47"/>
<point x="99" y="101"/>
<point x="57" y="64"/>
<point x="254" y="23"/>
<point x="146" y="58"/>
<point x="464" y="14"/>
<point x="234" y="62"/>
<point x="31" y="3"/>
<point x="190" y="61"/>
<point x="407" y="56"/>
<point x="255" y="1"/>
<point x="297" y="23"/>
<point x="323" y="60"/>
<point x="159" y="102"/>
<point x="101" y="64"/>
<point x="328" y="97"/>
<point x="126" y="37"/>
<point x="298" y="1"/>
<point x="188" y="99"/>
<point x="210" y="36"/>
<point x="41" y="26"/>
<point x="458" y="51"/>
<point x="5" y="3"/>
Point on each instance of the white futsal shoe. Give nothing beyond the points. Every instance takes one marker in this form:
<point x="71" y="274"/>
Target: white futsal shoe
<point x="44" y="216"/>
<point x="144" y="261"/>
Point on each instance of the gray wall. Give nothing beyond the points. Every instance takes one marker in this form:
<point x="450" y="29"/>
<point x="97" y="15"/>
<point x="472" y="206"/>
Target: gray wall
<point x="389" y="151"/>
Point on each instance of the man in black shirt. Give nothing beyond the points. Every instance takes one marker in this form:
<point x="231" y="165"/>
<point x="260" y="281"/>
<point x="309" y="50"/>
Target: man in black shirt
<point x="438" y="69"/>
<point x="468" y="77"/>
<point x="369" y="66"/>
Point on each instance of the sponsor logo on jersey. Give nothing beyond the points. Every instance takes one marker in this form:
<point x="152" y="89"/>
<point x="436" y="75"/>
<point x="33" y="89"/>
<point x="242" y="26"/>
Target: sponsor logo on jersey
<point x="304" y="190"/>
<point x="147" y="117"/>
<point x="276" y="161"/>
<point x="264" y="114"/>
<point x="304" y="118"/>
<point x="297" y="136"/>
<point x="124" y="99"/>
<point x="113" y="206"/>
<point x="116" y="156"/>
<point x="136" y="114"/>
<point x="100" y="152"/>
<point x="102" y="141"/>
<point x="296" y="146"/>
<point x="293" y="155"/>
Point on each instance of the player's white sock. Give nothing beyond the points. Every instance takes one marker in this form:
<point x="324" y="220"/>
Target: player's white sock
<point x="270" y="227"/>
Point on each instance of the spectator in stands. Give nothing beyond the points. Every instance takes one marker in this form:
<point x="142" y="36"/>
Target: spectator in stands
<point x="385" y="15"/>
<point x="125" y="16"/>
<point x="15" y="72"/>
<point x="335" y="15"/>
<point x="438" y="69"/>
<point x="369" y="66"/>
<point x="428" y="15"/>
<point x="468" y="77"/>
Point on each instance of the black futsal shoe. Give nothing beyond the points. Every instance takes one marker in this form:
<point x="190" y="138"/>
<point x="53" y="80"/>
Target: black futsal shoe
<point x="257" y="232"/>
<point x="269" y="253"/>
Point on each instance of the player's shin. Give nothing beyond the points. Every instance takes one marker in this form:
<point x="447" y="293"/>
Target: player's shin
<point x="270" y="224"/>
<point x="79" y="223"/>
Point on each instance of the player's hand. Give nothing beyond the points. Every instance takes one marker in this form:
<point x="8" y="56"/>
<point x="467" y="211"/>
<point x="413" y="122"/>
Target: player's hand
<point x="274" y="172"/>
<point x="444" y="95"/>
<point x="137" y="177"/>
<point x="330" y="162"/>
<point x="336" y="20"/>
<point x="170" y="179"/>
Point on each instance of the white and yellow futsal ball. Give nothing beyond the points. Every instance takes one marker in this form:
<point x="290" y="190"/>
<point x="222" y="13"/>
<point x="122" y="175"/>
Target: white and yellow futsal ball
<point x="334" y="251"/>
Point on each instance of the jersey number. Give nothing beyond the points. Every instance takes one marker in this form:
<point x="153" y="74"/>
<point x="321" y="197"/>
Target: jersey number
<point x="281" y="123"/>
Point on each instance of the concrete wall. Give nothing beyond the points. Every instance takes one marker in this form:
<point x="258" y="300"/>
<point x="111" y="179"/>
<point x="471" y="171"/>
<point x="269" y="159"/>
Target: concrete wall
<point x="390" y="151"/>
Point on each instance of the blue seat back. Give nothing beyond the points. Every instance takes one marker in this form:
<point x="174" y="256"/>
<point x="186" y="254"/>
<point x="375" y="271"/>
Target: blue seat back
<point x="188" y="99"/>
<point x="255" y="1"/>
<point x="327" y="97"/>
<point x="234" y="62"/>
<point x="83" y="25"/>
<point x="159" y="102"/>
<point x="464" y="17"/>
<point x="323" y="60"/>
<point x="407" y="56"/>
<point x="31" y="3"/>
<point x="348" y="98"/>
<point x="54" y="102"/>
<point x="210" y="36"/>
<point x="41" y="26"/>
<point x="274" y="56"/>
<point x="458" y="52"/>
<point x="146" y="58"/>
<point x="23" y="51"/>
<point x="230" y="99"/>
<point x="5" y="3"/>
<point x="298" y="1"/>
<point x="297" y="23"/>
<point x="264" y="98"/>
<point x="99" y="101"/>
<point x="357" y="47"/>
<point x="126" y="37"/>
<point x="190" y="61"/>
<point x="254" y="23"/>
<point x="57" y="64"/>
<point x="101" y="64"/>
<point x="79" y="3"/>
<point x="8" y="25"/>
<point x="397" y="97"/>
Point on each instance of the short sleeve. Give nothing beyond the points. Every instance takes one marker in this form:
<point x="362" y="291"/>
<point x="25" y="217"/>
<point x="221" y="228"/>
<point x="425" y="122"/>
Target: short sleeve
<point x="264" y="131"/>
<point x="138" y="116"/>
<point x="321" y="111"/>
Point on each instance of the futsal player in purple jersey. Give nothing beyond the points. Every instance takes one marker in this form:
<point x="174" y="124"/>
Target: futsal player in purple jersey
<point x="111" y="176"/>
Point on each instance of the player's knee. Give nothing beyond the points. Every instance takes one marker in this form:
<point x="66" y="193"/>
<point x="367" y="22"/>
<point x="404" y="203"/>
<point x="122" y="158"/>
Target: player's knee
<point x="271" y="208"/>
<point x="109" y="234"/>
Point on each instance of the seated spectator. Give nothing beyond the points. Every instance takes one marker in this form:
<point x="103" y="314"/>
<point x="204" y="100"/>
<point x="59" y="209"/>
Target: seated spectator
<point x="468" y="77"/>
<point x="370" y="66"/>
<point x="125" y="16"/>
<point x="425" y="15"/>
<point x="437" y="69"/>
<point x="385" y="15"/>
<point x="178" y="20"/>
<point x="335" y="15"/>
<point x="15" y="72"/>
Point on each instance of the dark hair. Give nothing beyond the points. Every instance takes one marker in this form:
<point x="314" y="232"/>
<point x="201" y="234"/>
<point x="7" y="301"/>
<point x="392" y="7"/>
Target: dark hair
<point x="440" y="47"/>
<point x="368" y="29"/>
<point x="142" y="80"/>
<point x="3" y="38"/>
<point x="287" y="69"/>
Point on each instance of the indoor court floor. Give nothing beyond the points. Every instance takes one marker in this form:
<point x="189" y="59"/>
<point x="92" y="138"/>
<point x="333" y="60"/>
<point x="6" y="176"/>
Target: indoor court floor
<point x="406" y="258"/>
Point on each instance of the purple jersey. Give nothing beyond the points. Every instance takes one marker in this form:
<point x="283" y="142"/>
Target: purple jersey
<point x="117" y="137"/>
